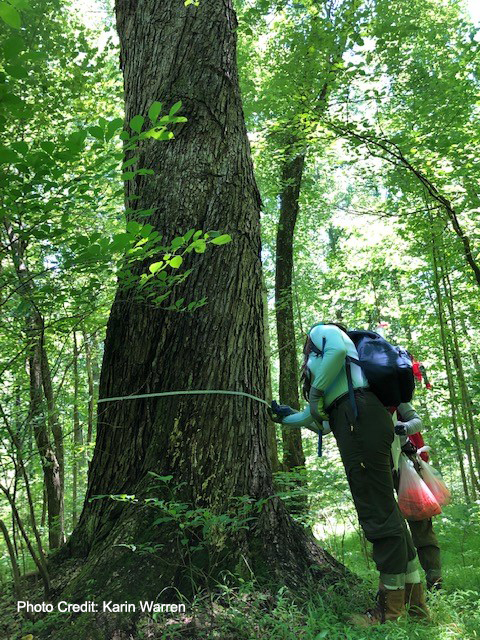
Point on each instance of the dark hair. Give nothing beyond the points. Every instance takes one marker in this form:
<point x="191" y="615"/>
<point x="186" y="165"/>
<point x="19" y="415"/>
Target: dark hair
<point x="305" y="377"/>
<point x="304" y="372"/>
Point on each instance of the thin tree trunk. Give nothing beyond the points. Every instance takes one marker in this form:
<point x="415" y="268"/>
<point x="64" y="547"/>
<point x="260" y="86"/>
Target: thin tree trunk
<point x="13" y="559"/>
<point x="466" y="403"/>
<point x="21" y="464"/>
<point x="37" y="560"/>
<point x="91" y="387"/>
<point x="271" y="426"/>
<point x="451" y="388"/>
<point x="40" y="386"/>
<point x="50" y="466"/>
<point x="292" y="170"/>
<point x="77" y="432"/>
<point x="56" y="431"/>
<point x="419" y="397"/>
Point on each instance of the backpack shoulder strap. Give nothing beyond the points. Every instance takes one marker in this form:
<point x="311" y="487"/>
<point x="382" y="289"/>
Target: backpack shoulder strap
<point x="351" y="395"/>
<point x="316" y="350"/>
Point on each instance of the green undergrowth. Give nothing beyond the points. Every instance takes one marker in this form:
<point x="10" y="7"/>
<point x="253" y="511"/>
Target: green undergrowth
<point x="242" y="611"/>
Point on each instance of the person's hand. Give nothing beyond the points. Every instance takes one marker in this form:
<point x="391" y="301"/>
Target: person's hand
<point x="279" y="411"/>
<point x="400" y="429"/>
<point x="321" y="415"/>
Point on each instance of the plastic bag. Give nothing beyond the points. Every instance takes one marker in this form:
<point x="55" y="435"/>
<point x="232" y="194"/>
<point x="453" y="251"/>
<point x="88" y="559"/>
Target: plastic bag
<point x="415" y="499"/>
<point x="434" y="481"/>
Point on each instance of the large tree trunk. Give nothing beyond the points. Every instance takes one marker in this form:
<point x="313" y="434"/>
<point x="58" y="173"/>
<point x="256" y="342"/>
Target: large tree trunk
<point x="214" y="447"/>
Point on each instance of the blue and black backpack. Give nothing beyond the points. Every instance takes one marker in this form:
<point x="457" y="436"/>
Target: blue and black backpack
<point x="388" y="369"/>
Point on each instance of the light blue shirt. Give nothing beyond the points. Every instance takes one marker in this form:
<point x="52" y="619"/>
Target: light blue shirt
<point x="328" y="373"/>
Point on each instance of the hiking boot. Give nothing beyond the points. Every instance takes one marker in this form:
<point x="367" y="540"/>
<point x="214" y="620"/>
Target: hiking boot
<point x="390" y="606"/>
<point x="415" y="601"/>
<point x="435" y="585"/>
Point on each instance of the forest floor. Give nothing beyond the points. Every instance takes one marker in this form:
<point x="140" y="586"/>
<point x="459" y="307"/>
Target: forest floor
<point x="249" y="614"/>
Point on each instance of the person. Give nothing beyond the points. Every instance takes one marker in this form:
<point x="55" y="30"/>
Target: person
<point x="364" y="433"/>
<point x="408" y="425"/>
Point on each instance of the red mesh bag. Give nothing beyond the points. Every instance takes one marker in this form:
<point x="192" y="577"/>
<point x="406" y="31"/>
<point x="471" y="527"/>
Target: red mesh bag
<point x="434" y="481"/>
<point x="415" y="499"/>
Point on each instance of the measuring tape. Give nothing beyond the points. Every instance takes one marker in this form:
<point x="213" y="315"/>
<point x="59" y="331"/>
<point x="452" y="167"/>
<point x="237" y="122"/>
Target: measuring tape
<point x="197" y="392"/>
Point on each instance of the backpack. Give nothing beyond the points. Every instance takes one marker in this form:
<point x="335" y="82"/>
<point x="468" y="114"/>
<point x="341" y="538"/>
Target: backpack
<point x="388" y="369"/>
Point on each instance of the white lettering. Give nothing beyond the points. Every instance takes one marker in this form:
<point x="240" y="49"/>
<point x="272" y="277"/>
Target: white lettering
<point x="115" y="607"/>
<point x="149" y="606"/>
<point x="39" y="607"/>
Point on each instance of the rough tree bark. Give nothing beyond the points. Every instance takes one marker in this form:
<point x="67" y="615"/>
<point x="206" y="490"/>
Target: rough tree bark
<point x="214" y="447"/>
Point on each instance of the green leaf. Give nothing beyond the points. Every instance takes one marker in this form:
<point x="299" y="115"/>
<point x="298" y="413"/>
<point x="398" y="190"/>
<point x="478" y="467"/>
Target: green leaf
<point x="176" y="261"/>
<point x="49" y="147"/>
<point x="128" y="175"/>
<point x="76" y="140"/>
<point x="97" y="132"/>
<point x="136" y="123"/>
<point x="20" y="146"/>
<point x="20" y="4"/>
<point x="177" y="242"/>
<point x="146" y="230"/>
<point x="174" y="108"/>
<point x="129" y="162"/>
<point x="7" y="155"/>
<point x="17" y="72"/>
<point x="163" y="297"/>
<point x="13" y="46"/>
<point x="158" y="134"/>
<point x="200" y="245"/>
<point x="120" y="241"/>
<point x="112" y="127"/>
<point x="133" y="226"/>
<point x="154" y="111"/>
<point x="156" y="266"/>
<point x="225" y="239"/>
<point x="10" y="15"/>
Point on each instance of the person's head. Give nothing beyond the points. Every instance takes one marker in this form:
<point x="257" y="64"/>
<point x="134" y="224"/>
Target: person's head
<point x="307" y="349"/>
<point x="304" y="372"/>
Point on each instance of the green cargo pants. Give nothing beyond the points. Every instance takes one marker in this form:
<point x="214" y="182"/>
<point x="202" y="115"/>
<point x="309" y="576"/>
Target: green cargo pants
<point x="364" y="446"/>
